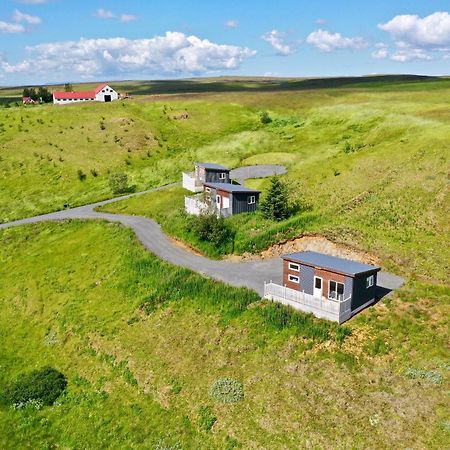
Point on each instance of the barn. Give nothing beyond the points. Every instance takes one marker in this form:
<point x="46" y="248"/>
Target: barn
<point x="102" y="93"/>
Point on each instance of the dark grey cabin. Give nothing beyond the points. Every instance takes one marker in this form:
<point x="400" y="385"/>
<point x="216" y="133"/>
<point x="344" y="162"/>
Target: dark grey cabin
<point x="212" y="173"/>
<point x="229" y="199"/>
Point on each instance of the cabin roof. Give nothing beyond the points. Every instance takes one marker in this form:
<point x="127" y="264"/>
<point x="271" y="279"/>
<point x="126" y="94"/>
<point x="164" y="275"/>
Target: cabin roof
<point x="212" y="166"/>
<point x="332" y="263"/>
<point x="229" y="187"/>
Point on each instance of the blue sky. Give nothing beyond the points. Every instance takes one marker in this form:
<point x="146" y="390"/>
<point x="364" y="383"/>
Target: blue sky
<point x="65" y="40"/>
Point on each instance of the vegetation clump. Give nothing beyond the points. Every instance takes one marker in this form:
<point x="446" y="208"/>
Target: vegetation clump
<point x="264" y="117"/>
<point x="43" y="385"/>
<point x="275" y="204"/>
<point x="211" y="228"/>
<point x="206" y="418"/>
<point x="118" y="182"/>
<point x="427" y="375"/>
<point x="227" y="390"/>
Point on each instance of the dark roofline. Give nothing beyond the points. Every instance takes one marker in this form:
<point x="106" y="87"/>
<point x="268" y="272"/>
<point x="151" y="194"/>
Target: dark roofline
<point x="229" y="187"/>
<point x="213" y="166"/>
<point x="296" y="258"/>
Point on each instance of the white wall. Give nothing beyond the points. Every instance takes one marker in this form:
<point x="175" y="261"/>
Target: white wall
<point x="107" y="90"/>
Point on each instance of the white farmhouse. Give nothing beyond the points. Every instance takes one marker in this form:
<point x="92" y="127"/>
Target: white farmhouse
<point x="102" y="93"/>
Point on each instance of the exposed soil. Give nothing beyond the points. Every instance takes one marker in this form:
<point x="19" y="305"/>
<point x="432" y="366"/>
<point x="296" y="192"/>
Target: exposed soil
<point x="312" y="242"/>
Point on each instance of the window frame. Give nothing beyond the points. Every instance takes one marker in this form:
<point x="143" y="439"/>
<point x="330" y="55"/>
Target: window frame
<point x="222" y="175"/>
<point x="370" y="281"/>
<point x="293" y="278"/>
<point x="296" y="268"/>
<point x="336" y="297"/>
<point x="249" y="200"/>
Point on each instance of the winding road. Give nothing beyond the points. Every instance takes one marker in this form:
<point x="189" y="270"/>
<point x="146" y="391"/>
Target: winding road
<point x="251" y="274"/>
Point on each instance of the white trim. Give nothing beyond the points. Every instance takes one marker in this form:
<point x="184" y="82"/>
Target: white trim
<point x="370" y="281"/>
<point x="222" y="176"/>
<point x="329" y="289"/>
<point x="218" y="199"/>
<point x="293" y="278"/>
<point x="296" y="268"/>
<point x="251" y="200"/>
<point x="321" y="286"/>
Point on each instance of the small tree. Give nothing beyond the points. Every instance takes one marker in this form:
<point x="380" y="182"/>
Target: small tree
<point x="26" y="92"/>
<point x="210" y="228"/>
<point x="264" y="117"/>
<point x="44" y="94"/>
<point x="118" y="182"/>
<point x="275" y="204"/>
<point x="68" y="87"/>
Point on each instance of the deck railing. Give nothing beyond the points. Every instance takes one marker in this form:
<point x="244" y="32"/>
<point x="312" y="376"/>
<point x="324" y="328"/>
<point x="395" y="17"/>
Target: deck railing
<point x="192" y="183"/>
<point x="335" y="310"/>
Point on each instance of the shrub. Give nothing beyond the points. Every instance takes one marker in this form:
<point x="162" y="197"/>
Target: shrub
<point x="227" y="390"/>
<point x="118" y="182"/>
<point x="43" y="385"/>
<point x="208" y="227"/>
<point x="81" y="175"/>
<point x="94" y="173"/>
<point x="427" y="375"/>
<point x="264" y="117"/>
<point x="275" y="205"/>
<point x="206" y="418"/>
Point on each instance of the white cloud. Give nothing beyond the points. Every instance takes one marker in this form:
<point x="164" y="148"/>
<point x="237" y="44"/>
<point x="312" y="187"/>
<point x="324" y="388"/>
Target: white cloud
<point x="381" y="51"/>
<point x="417" y="38"/>
<point x="430" y="31"/>
<point x="19" y="16"/>
<point x="320" y="21"/>
<point x="172" y="54"/>
<point x="327" y="42"/>
<point x="104" y="14"/>
<point x="6" y="27"/>
<point x="231" y="24"/>
<point x="127" y="18"/>
<point x="277" y="40"/>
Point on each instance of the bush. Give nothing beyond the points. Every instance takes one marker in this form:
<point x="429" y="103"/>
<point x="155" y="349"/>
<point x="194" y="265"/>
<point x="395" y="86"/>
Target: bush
<point x="206" y="418"/>
<point x="81" y="175"/>
<point x="43" y="385"/>
<point x="118" y="182"/>
<point x="264" y="117"/>
<point x="227" y="390"/>
<point x="210" y="228"/>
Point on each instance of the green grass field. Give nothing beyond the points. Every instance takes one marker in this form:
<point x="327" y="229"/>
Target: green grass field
<point x="141" y="341"/>
<point x="138" y="375"/>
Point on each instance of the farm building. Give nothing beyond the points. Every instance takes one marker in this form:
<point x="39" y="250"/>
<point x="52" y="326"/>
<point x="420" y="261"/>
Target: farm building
<point x="327" y="286"/>
<point x="102" y="93"/>
<point x="29" y="101"/>
<point x="204" y="173"/>
<point x="225" y="199"/>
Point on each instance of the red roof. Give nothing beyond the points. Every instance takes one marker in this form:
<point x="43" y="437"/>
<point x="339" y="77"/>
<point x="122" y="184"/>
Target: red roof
<point x="81" y="94"/>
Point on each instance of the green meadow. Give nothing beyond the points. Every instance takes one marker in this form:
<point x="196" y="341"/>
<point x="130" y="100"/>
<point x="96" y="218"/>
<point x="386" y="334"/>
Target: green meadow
<point x="141" y="342"/>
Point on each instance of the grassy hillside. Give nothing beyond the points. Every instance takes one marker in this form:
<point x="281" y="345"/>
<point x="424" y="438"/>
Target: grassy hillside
<point x="141" y="342"/>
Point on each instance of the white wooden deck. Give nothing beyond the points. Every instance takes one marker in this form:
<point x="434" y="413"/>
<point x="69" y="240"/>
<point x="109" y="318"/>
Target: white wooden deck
<point x="324" y="308"/>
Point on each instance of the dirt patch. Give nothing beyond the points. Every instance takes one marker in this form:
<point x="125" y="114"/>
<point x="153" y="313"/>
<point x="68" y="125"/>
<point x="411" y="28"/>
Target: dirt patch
<point x="311" y="242"/>
<point x="185" y="246"/>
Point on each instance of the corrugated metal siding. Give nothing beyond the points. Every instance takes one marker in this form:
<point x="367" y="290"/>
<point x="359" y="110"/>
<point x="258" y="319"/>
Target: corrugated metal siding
<point x="361" y="294"/>
<point x="348" y="287"/>
<point x="307" y="279"/>
<point x="240" y="202"/>
<point x="213" y="176"/>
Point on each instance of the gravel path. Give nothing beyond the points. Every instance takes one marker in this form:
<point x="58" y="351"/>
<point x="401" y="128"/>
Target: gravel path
<point x="251" y="274"/>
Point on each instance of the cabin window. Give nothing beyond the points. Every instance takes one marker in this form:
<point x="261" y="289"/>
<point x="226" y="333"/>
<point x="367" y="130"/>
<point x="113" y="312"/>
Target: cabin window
<point x="207" y="189"/>
<point x="336" y="290"/>
<point x="251" y="200"/>
<point x="222" y="176"/>
<point x="370" y="281"/>
<point x="293" y="266"/>
<point x="294" y="279"/>
<point x="218" y="199"/>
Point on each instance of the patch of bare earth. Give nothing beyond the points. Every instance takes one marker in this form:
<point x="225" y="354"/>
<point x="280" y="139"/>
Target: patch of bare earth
<point x="310" y="242"/>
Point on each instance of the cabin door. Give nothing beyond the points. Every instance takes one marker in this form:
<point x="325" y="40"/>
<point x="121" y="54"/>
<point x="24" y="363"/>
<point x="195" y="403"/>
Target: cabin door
<point x="318" y="287"/>
<point x="107" y="98"/>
